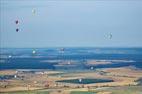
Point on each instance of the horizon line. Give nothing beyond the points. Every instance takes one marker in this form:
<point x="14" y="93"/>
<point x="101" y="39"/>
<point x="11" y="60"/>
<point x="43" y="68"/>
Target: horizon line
<point x="69" y="47"/>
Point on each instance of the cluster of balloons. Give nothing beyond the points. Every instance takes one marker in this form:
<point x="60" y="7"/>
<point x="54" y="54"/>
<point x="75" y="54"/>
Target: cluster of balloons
<point x="17" y="21"/>
<point x="108" y="36"/>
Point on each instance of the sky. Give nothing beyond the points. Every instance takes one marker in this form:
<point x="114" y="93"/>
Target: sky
<point x="70" y="23"/>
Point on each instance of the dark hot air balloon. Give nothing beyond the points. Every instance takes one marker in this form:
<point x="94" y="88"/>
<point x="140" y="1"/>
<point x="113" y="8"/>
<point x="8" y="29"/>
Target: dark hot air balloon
<point x="17" y="30"/>
<point x="16" y="21"/>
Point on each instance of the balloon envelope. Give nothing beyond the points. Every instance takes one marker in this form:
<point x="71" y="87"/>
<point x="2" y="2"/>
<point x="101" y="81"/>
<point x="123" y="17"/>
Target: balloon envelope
<point x="110" y="36"/>
<point x="16" y="21"/>
<point x="17" y="30"/>
<point x="33" y="11"/>
<point x="34" y="52"/>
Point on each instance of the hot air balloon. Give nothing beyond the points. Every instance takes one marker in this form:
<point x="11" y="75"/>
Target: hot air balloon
<point x="34" y="52"/>
<point x="80" y="80"/>
<point x="110" y="36"/>
<point x="33" y="11"/>
<point x="15" y="76"/>
<point x="17" y="30"/>
<point x="16" y="21"/>
<point x="92" y="68"/>
<point x="9" y="56"/>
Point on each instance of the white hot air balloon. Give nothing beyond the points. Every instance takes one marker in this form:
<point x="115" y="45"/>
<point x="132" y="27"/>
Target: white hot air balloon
<point x="15" y="76"/>
<point x="34" y="52"/>
<point x="80" y="80"/>
<point x="92" y="68"/>
<point x="110" y="36"/>
<point x="33" y="11"/>
<point x="9" y="56"/>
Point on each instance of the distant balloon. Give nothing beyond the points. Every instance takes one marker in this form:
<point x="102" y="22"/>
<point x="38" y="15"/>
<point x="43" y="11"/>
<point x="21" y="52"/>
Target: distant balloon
<point x="92" y="68"/>
<point x="80" y="80"/>
<point x="33" y="11"/>
<point x="16" y="21"/>
<point x="33" y="51"/>
<point x="15" y="76"/>
<point x="9" y="56"/>
<point x="17" y="30"/>
<point x="110" y="36"/>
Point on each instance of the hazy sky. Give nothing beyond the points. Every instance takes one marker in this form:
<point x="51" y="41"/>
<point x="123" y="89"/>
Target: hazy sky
<point x="71" y="23"/>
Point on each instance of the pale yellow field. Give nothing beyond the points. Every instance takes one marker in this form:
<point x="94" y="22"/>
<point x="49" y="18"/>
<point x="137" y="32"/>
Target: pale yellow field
<point x="46" y="80"/>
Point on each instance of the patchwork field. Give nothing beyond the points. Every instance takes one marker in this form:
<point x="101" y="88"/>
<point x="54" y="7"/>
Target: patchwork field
<point x="124" y="80"/>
